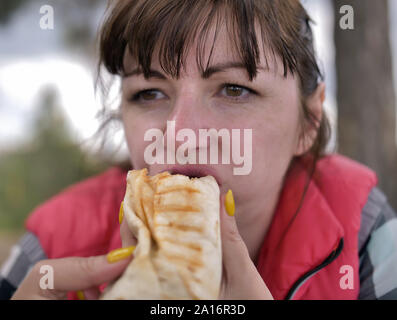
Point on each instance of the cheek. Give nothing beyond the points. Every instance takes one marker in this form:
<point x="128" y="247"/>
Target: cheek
<point x="135" y="127"/>
<point x="275" y="140"/>
<point x="134" y="138"/>
<point x="279" y="130"/>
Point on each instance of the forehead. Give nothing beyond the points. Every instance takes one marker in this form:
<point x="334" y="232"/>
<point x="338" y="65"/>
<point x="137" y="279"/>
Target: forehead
<point x="218" y="46"/>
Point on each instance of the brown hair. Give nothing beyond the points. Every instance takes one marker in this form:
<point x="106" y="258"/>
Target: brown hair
<point x="140" y="25"/>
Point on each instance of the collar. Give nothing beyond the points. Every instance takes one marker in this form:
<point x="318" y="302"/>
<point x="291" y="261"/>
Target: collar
<point x="298" y="240"/>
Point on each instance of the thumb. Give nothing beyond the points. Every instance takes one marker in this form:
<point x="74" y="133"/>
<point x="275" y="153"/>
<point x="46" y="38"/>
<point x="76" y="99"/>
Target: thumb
<point x="73" y="274"/>
<point x="127" y="238"/>
<point x="84" y="273"/>
<point x="234" y="249"/>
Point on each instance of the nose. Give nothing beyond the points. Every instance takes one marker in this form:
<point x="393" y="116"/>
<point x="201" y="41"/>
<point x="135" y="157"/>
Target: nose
<point x="189" y="110"/>
<point x="188" y="115"/>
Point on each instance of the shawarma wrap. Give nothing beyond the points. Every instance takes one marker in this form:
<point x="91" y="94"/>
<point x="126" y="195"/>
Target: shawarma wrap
<point x="176" y="222"/>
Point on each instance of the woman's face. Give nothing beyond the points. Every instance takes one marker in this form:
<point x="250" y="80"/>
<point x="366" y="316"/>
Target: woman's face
<point x="269" y="106"/>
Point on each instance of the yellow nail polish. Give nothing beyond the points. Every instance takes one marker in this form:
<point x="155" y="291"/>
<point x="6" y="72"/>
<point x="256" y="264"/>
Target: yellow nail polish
<point x="229" y="203"/>
<point x="121" y="213"/>
<point x="120" y="254"/>
<point x="80" y="295"/>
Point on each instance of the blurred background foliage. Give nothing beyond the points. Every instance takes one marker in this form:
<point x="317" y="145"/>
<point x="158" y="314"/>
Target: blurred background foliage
<point x="50" y="159"/>
<point x="43" y="166"/>
<point x="7" y="9"/>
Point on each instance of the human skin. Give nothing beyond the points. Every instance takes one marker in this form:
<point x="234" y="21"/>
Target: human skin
<point x="273" y="114"/>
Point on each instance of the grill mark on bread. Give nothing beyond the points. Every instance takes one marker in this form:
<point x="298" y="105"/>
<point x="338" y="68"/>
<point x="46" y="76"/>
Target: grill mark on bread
<point x="188" y="287"/>
<point x="190" y="245"/>
<point x="192" y="269"/>
<point x="154" y="180"/>
<point x="162" y="176"/>
<point x="182" y="227"/>
<point x="194" y="262"/>
<point x="144" y="212"/>
<point x="175" y="208"/>
<point x="136" y="195"/>
<point x="178" y="188"/>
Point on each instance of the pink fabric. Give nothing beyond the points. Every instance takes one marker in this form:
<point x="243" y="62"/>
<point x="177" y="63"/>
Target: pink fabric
<point x="331" y="211"/>
<point x="83" y="221"/>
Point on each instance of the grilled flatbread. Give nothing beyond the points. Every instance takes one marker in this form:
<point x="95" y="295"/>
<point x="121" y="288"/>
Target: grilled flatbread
<point x="176" y="221"/>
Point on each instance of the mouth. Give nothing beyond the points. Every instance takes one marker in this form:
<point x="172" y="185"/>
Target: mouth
<point x="195" y="171"/>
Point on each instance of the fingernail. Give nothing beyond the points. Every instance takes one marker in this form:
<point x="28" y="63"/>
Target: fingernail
<point x="80" y="295"/>
<point x="229" y="203"/>
<point x="121" y="213"/>
<point x="119" y="254"/>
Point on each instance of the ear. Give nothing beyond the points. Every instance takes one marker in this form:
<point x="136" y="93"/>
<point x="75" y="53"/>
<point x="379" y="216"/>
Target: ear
<point x="308" y="136"/>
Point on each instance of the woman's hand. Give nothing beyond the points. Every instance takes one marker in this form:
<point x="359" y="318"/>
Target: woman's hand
<point x="240" y="278"/>
<point x="83" y="275"/>
<point x="73" y="274"/>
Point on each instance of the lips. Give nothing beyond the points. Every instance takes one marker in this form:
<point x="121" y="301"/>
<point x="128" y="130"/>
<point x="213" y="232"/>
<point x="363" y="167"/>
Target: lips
<point x="194" y="171"/>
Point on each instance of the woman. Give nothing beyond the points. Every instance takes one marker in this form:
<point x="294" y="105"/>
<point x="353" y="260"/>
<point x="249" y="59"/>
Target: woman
<point x="298" y="225"/>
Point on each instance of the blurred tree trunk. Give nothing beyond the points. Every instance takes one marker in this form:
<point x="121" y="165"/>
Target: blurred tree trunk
<point x="8" y="8"/>
<point x="366" y="97"/>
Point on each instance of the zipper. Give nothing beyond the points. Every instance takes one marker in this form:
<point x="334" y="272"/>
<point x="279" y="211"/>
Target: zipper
<point x="298" y="283"/>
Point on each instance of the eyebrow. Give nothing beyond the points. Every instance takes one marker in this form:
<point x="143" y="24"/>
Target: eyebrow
<point x="205" y="75"/>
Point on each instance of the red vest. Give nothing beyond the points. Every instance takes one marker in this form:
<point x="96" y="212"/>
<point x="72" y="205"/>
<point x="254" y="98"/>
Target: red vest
<point x="311" y="254"/>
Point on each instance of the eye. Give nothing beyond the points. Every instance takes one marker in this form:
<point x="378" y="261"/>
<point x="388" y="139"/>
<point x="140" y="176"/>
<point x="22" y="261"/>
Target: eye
<point x="233" y="91"/>
<point x="145" y="95"/>
<point x="236" y="92"/>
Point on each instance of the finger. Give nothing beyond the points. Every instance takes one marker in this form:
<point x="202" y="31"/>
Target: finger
<point x="127" y="238"/>
<point x="52" y="279"/>
<point x="73" y="274"/>
<point x="234" y="250"/>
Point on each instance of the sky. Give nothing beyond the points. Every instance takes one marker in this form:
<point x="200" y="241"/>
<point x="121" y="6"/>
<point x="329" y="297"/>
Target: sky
<point x="31" y="58"/>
